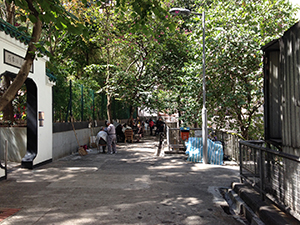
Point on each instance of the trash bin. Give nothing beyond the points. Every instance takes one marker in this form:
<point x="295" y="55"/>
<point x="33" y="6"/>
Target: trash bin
<point x="185" y="133"/>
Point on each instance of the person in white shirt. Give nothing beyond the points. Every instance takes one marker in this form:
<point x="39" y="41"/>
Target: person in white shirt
<point x="101" y="138"/>
<point x="111" y="139"/>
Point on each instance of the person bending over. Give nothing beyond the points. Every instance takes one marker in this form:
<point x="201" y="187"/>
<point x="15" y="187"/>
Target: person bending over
<point x="101" y="139"/>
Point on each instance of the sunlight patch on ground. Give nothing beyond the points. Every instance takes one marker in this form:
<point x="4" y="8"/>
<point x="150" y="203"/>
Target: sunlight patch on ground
<point x="185" y="201"/>
<point x="164" y="167"/>
<point x="57" y="174"/>
<point x="113" y="181"/>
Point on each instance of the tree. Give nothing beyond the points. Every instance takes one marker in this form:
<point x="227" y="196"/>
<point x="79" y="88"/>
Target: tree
<point x="8" y="114"/>
<point x="114" y="31"/>
<point x="235" y="33"/>
<point x="126" y="46"/>
<point x="39" y="13"/>
<point x="149" y="63"/>
<point x="235" y="70"/>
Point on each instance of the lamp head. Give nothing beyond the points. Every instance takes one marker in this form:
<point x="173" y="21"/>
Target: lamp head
<point x="180" y="11"/>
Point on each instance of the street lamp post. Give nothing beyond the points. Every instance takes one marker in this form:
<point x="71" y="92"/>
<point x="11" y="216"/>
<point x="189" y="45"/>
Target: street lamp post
<point x="187" y="12"/>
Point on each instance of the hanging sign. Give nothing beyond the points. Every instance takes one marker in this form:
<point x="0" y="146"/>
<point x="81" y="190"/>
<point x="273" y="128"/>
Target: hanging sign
<point x="14" y="60"/>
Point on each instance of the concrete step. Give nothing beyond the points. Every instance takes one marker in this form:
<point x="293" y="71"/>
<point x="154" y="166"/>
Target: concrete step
<point x="247" y="201"/>
<point x="239" y="207"/>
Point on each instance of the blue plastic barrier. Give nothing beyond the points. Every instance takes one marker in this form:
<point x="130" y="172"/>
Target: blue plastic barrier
<point x="195" y="151"/>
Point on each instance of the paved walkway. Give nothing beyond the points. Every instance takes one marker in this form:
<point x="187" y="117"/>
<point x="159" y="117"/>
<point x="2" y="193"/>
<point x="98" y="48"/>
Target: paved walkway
<point x="131" y="187"/>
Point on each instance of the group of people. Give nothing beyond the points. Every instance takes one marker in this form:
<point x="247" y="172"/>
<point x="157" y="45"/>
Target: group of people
<point x="116" y="132"/>
<point x="107" y="136"/>
<point x="141" y="126"/>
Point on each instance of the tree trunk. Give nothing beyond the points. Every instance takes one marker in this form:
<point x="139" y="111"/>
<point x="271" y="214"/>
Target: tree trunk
<point x="10" y="12"/>
<point x="131" y="111"/>
<point x="108" y="91"/>
<point x="244" y="132"/>
<point x="108" y="106"/>
<point x="8" y="111"/>
<point x="132" y="108"/>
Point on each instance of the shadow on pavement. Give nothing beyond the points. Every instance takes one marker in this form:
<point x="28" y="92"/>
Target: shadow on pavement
<point x="130" y="187"/>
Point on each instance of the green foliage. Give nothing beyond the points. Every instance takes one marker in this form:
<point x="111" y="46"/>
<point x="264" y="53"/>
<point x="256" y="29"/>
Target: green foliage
<point x="139" y="55"/>
<point x="60" y="95"/>
<point x="19" y="104"/>
<point x="235" y="33"/>
<point x="130" y="59"/>
<point x="50" y="12"/>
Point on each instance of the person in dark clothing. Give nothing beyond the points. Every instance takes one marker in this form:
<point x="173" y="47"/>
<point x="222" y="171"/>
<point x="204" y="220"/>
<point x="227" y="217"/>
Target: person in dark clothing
<point x="120" y="134"/>
<point x="160" y="125"/>
<point x="140" y="132"/>
<point x="101" y="139"/>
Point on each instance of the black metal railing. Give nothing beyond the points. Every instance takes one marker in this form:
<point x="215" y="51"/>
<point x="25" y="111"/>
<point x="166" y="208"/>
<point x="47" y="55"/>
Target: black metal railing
<point x="273" y="172"/>
<point x="230" y="141"/>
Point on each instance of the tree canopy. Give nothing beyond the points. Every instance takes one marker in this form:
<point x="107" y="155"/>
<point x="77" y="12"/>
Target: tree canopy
<point x="137" y="53"/>
<point x="235" y="33"/>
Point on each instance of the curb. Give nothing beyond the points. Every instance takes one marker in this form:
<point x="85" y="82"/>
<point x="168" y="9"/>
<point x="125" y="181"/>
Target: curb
<point x="251" y="200"/>
<point x="239" y="207"/>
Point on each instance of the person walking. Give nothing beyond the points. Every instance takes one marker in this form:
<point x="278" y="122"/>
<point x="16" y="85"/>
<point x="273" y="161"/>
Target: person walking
<point x="151" y="125"/>
<point x="140" y="132"/>
<point x="112" y="138"/>
<point x="160" y="125"/>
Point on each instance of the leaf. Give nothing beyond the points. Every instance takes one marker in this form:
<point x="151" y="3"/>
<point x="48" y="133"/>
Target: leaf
<point x="72" y="29"/>
<point x="58" y="26"/>
<point x="71" y="15"/>
<point x="23" y="18"/>
<point x="32" y="18"/>
<point x="63" y="25"/>
<point x="47" y="18"/>
<point x="45" y="5"/>
<point x="21" y="3"/>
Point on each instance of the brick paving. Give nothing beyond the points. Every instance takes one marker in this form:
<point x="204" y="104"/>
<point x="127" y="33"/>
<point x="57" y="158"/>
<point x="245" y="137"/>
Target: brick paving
<point x="4" y="213"/>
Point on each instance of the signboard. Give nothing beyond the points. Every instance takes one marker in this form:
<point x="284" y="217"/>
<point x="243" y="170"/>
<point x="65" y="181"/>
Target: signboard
<point x="14" y="60"/>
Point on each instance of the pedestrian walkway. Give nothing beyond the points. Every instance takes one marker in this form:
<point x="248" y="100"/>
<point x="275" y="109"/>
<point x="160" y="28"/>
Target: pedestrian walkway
<point x="130" y="187"/>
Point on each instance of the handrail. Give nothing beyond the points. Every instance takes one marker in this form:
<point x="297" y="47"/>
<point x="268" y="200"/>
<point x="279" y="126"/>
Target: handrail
<point x="268" y="171"/>
<point x="281" y="154"/>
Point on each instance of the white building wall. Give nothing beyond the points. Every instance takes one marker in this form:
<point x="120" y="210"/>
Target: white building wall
<point x="16" y="47"/>
<point x="44" y="104"/>
<point x="44" y="94"/>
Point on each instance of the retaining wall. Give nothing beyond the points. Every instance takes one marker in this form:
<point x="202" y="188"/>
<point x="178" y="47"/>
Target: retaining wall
<point x="64" y="140"/>
<point x="17" y="143"/>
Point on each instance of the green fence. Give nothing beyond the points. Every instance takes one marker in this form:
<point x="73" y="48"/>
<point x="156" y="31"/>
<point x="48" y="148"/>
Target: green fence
<point x="84" y="104"/>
